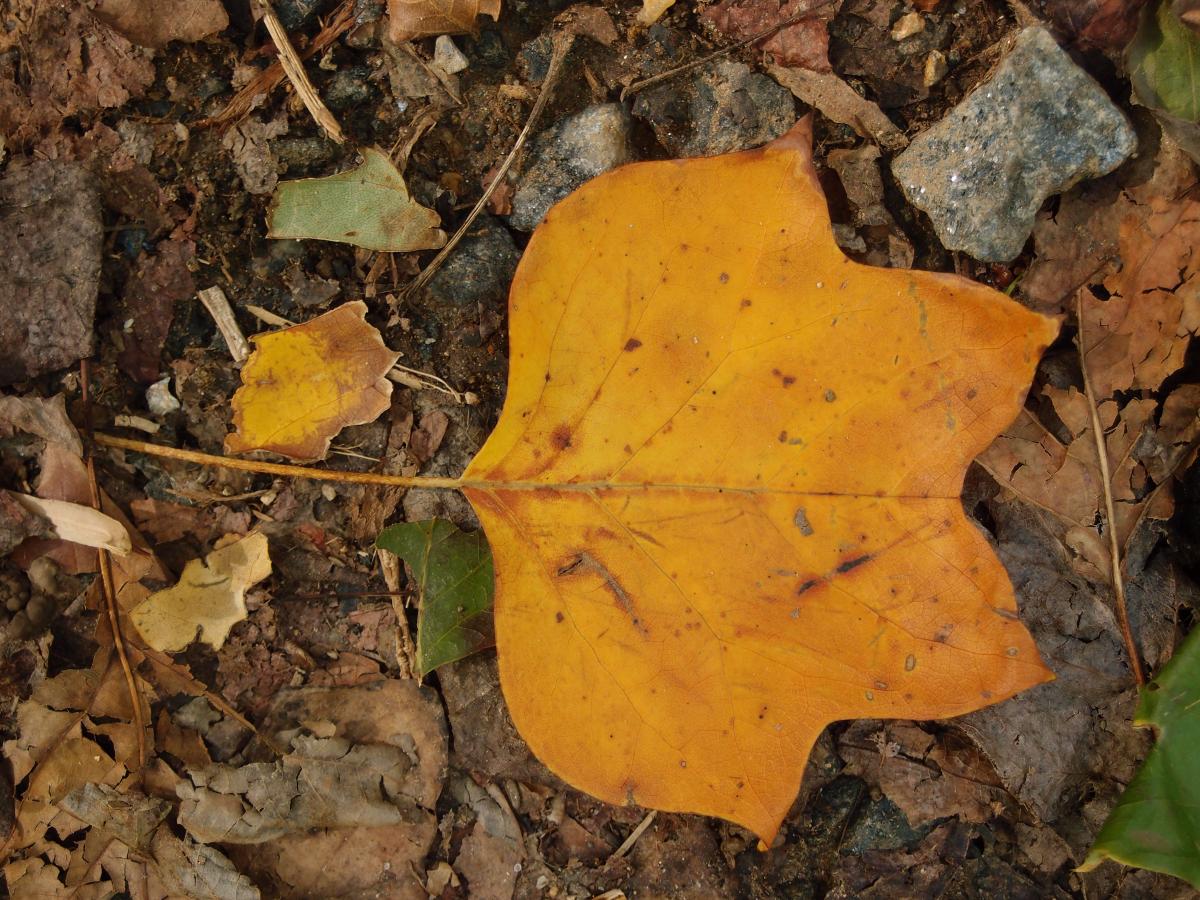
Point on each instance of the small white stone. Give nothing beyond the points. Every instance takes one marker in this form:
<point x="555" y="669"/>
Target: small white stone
<point x="159" y="399"/>
<point x="908" y="25"/>
<point x="447" y="56"/>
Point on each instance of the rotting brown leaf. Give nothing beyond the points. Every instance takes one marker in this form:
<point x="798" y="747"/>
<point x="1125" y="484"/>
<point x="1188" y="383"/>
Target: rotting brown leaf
<point x="804" y="43"/>
<point x="412" y="19"/>
<point x="154" y="24"/>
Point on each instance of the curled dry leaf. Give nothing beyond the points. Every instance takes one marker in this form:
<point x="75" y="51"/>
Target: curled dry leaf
<point x="412" y="19"/>
<point x="718" y="526"/>
<point x="304" y="384"/>
<point x="79" y="524"/>
<point x="209" y="599"/>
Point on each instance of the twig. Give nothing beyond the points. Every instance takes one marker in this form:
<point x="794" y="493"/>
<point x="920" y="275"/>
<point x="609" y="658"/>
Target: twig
<point x="218" y="307"/>
<point x="271" y="77"/>
<point x="704" y="60"/>
<point x="406" y="650"/>
<point x="1114" y="547"/>
<point x="294" y="69"/>
<point x="108" y="586"/>
<point x="268" y="468"/>
<point x="562" y="44"/>
<point x="628" y="843"/>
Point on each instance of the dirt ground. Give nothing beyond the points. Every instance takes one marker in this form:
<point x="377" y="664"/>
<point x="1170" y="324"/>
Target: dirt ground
<point x="1001" y="803"/>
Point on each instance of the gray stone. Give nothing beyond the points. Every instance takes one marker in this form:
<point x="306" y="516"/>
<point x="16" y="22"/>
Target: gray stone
<point x="566" y="155"/>
<point x="480" y="269"/>
<point x="723" y="108"/>
<point x="1038" y="126"/>
<point x="295" y="14"/>
<point x="350" y="89"/>
<point x="49" y="269"/>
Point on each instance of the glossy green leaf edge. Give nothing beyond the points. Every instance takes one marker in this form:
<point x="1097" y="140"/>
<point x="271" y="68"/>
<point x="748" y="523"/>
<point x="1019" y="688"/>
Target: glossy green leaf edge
<point x="368" y="206"/>
<point x="1164" y="63"/>
<point x="453" y="572"/>
<point x="1156" y="823"/>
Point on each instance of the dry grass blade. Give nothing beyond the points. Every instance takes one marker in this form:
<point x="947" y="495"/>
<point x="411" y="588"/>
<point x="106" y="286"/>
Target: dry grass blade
<point x="1114" y="546"/>
<point x="274" y="75"/>
<point x="562" y="44"/>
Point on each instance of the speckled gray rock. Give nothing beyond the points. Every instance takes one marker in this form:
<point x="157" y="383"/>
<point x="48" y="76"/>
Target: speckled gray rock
<point x="577" y="149"/>
<point x="480" y="269"/>
<point x="723" y="108"/>
<point x="1038" y="126"/>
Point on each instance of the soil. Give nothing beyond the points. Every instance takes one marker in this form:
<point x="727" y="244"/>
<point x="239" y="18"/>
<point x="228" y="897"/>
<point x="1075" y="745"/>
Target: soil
<point x="886" y="810"/>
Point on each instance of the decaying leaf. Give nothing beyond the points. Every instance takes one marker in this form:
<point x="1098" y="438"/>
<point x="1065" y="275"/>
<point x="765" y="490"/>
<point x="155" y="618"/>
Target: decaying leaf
<point x="346" y="810"/>
<point x="725" y="512"/>
<point x="369" y="207"/>
<point x="154" y="24"/>
<point x="1155" y="824"/>
<point x="209" y="599"/>
<point x="453" y="570"/>
<point x="838" y="101"/>
<point x="412" y="19"/>
<point x="803" y="43"/>
<point x="1164" y="63"/>
<point x="302" y="385"/>
<point x="1062" y="475"/>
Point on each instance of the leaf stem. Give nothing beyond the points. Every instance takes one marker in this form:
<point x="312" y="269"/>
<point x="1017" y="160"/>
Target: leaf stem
<point x="269" y="468"/>
<point x="1114" y="546"/>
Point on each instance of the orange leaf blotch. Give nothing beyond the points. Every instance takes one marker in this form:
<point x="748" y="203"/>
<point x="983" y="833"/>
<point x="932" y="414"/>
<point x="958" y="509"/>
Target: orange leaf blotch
<point x="723" y="493"/>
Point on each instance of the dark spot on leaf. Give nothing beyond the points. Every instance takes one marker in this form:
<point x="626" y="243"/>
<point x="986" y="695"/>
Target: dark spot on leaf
<point x="808" y="585"/>
<point x="632" y="344"/>
<point x="801" y="521"/>
<point x="723" y="278"/>
<point x="853" y="563"/>
<point x="558" y="617"/>
<point x="830" y="396"/>
<point x="561" y="437"/>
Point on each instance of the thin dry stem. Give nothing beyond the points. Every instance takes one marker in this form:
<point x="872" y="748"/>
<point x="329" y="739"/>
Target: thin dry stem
<point x="218" y="307"/>
<point x="114" y="623"/>
<point x="627" y="845"/>
<point x="268" y="468"/>
<point x="274" y="75"/>
<point x="1114" y="546"/>
<point x="562" y="44"/>
<point x="294" y="69"/>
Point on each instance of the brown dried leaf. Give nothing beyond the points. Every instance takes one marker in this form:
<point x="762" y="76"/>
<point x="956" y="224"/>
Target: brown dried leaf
<point x="804" y="43"/>
<point x="154" y="24"/>
<point x="411" y="19"/>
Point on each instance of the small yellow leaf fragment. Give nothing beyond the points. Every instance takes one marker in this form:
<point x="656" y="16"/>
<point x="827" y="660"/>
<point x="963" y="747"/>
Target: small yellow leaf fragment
<point x="302" y="385"/>
<point x="209" y="599"/>
<point x="652" y="10"/>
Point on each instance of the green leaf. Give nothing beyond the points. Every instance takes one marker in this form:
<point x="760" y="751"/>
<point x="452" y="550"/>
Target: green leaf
<point x="1164" y="64"/>
<point x="1156" y="823"/>
<point x="453" y="570"/>
<point x="369" y="207"/>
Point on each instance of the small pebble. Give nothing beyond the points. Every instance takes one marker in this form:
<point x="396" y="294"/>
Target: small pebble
<point x="908" y="25"/>
<point x="159" y="399"/>
<point x="935" y="67"/>
<point x="447" y="56"/>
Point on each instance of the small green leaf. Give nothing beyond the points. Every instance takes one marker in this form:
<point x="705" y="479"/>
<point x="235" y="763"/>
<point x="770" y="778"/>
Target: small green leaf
<point x="369" y="207"/>
<point x="453" y="570"/>
<point x="1164" y="64"/>
<point x="1156" y="823"/>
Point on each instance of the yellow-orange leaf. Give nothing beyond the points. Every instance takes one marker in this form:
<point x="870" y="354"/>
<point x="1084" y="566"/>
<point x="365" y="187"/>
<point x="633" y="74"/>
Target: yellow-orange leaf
<point x="723" y="492"/>
<point x="302" y="385"/>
